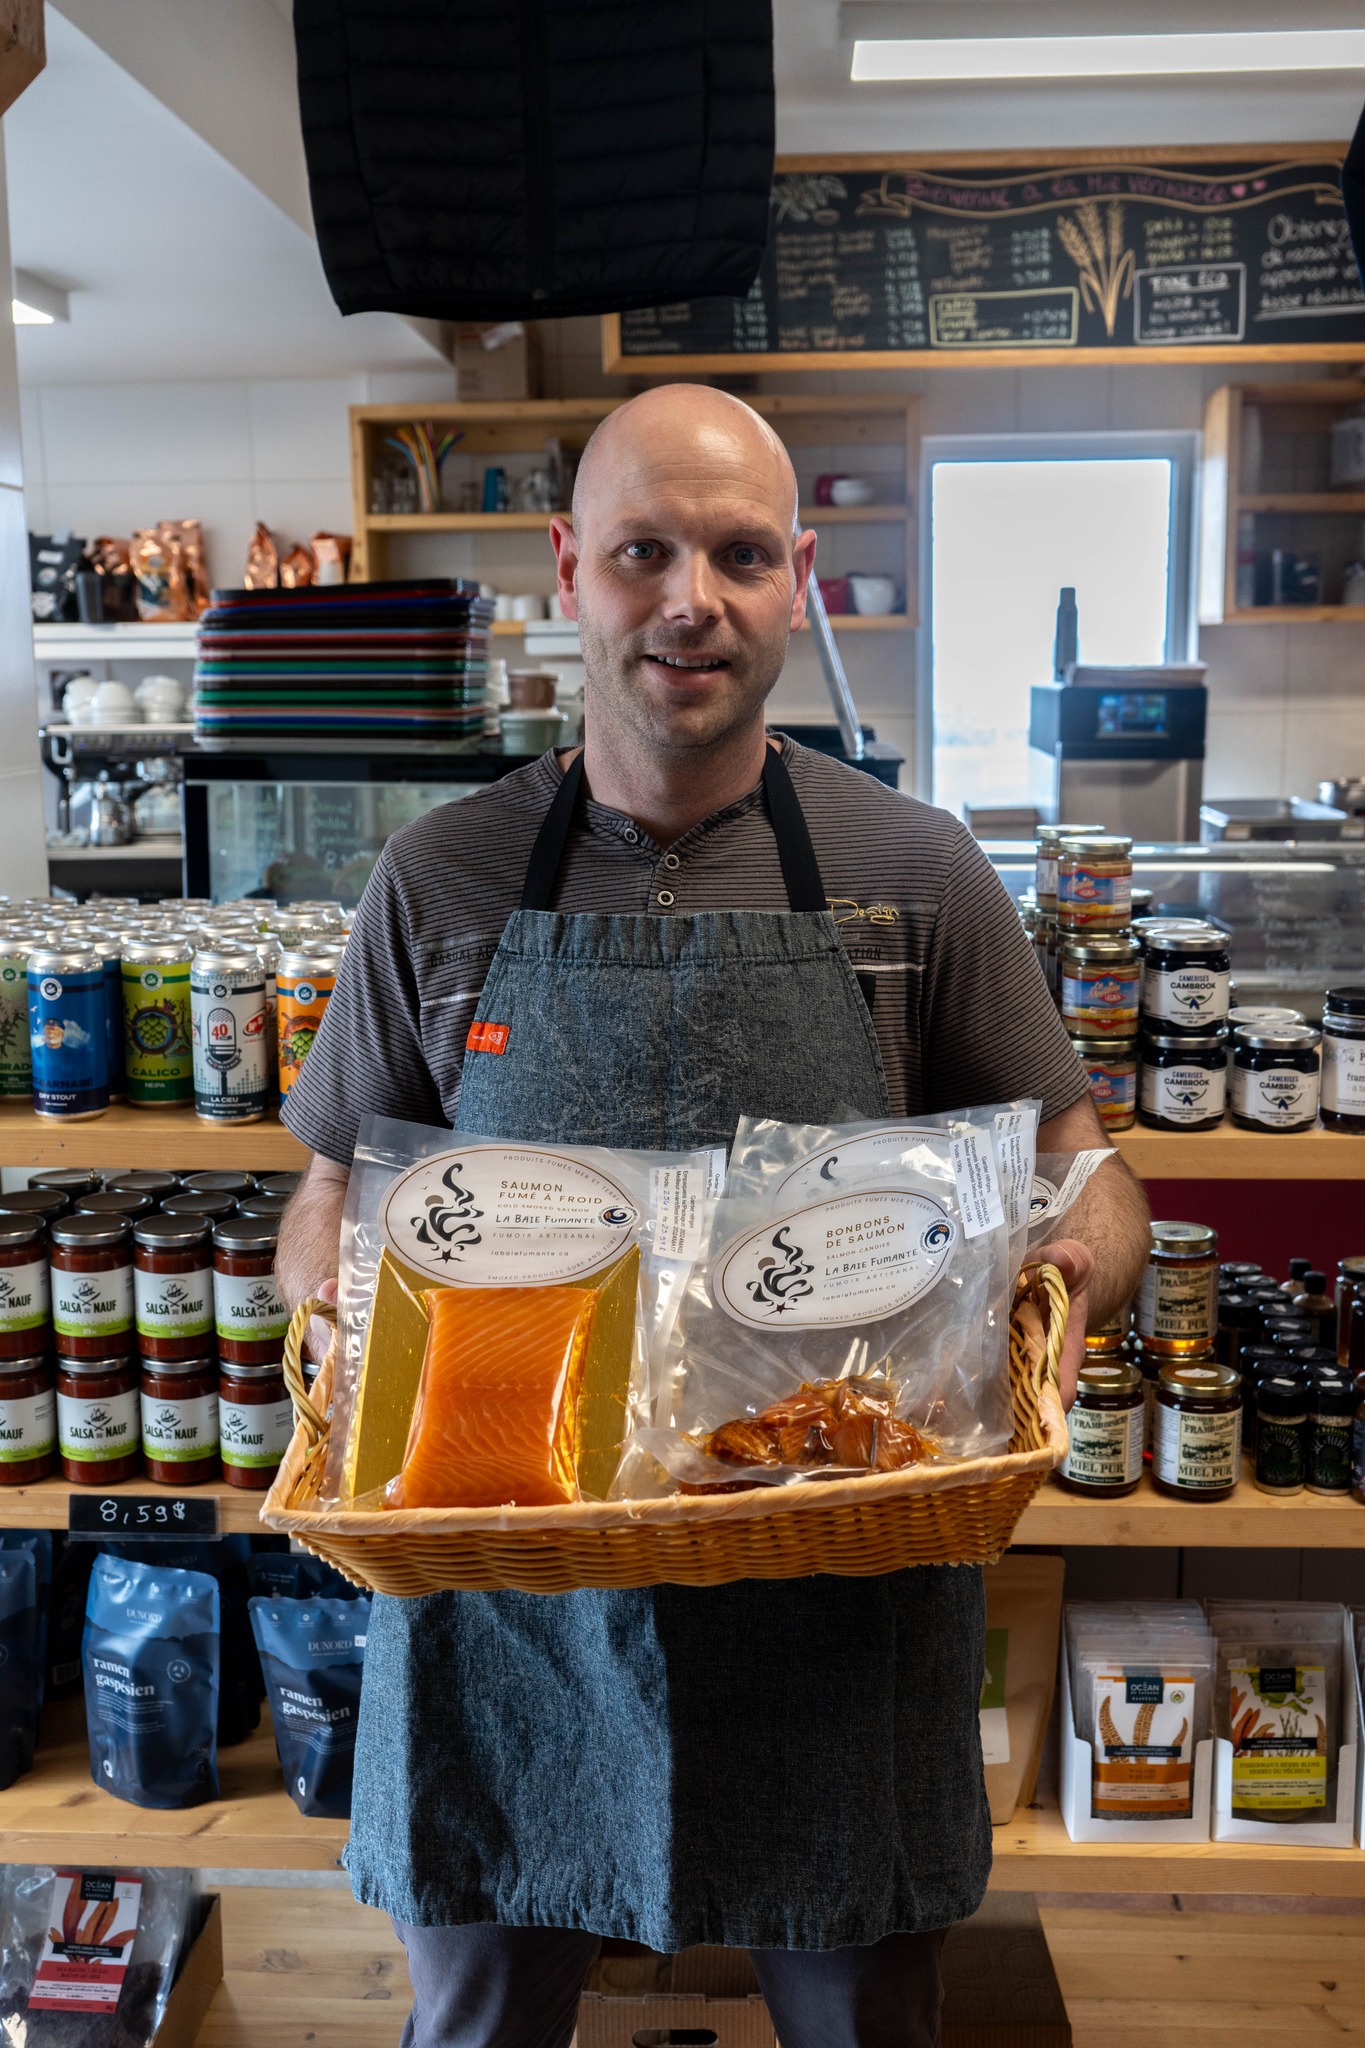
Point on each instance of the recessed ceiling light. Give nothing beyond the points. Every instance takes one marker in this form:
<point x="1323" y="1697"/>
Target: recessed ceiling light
<point x="927" y="59"/>
<point x="36" y="303"/>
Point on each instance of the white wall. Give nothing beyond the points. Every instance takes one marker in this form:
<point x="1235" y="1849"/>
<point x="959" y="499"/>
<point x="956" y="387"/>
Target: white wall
<point x="1287" y="703"/>
<point x="23" y="861"/>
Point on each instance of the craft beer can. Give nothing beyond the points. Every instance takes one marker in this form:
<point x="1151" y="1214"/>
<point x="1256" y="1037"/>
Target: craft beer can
<point x="67" y="1033"/>
<point x="228" y="1024"/>
<point x="306" y="980"/>
<point x="158" y="1056"/>
<point x="16" y="1060"/>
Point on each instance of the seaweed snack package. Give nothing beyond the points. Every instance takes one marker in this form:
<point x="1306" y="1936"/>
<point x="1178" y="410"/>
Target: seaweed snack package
<point x="836" y="1327"/>
<point x="88" y="1957"/>
<point x="241" y="1688"/>
<point x="151" y="1682"/>
<point x="21" y="1668"/>
<point x="493" y="1303"/>
<point x="1279" y="1703"/>
<point x="1059" y="1180"/>
<point x="1142" y="1684"/>
<point x="313" y="1655"/>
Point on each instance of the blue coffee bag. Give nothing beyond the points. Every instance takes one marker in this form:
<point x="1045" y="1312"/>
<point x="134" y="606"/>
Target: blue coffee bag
<point x="150" y="1658"/>
<point x="313" y="1655"/>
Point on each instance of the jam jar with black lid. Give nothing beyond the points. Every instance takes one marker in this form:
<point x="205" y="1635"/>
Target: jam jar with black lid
<point x="219" y="1181"/>
<point x="173" y="1286"/>
<point x="92" y="1285"/>
<point x="1343" y="1060"/>
<point x="43" y="1202"/>
<point x="1182" y="1080"/>
<point x="1275" y="1077"/>
<point x="143" y="1180"/>
<point x="255" y="1420"/>
<point x="207" y="1203"/>
<point x="67" y="1180"/>
<point x="1185" y="976"/>
<point x="25" y="1294"/>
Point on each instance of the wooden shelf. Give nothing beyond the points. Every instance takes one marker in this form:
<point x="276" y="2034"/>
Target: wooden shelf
<point x="1034" y="1853"/>
<point x="1302" y="501"/>
<point x="1232" y="1154"/>
<point x="1248" y="1520"/>
<point x="58" y="1815"/>
<point x="1296" y="615"/>
<point x="145" y="1137"/>
<point x="43" y="1504"/>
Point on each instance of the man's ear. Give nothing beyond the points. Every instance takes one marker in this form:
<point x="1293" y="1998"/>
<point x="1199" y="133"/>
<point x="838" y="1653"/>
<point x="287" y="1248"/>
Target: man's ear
<point x="566" y="563"/>
<point x="803" y="561"/>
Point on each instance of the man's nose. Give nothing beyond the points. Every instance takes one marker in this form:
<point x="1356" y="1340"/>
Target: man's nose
<point x="690" y="591"/>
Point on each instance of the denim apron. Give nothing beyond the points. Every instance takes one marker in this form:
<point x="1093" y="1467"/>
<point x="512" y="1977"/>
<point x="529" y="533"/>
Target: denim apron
<point x="777" y="1763"/>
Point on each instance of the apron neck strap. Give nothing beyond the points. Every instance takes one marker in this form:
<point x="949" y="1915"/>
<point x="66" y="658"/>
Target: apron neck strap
<point x="795" y="852"/>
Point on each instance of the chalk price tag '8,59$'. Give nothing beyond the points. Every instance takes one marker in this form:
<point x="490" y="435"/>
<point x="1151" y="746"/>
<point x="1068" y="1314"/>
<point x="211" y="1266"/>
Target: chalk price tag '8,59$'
<point x="141" y="1514"/>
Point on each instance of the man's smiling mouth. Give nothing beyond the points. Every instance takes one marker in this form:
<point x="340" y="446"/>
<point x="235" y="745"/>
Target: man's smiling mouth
<point x="688" y="663"/>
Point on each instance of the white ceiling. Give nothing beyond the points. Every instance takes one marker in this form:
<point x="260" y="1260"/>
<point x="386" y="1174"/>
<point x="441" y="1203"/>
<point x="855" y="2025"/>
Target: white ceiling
<point x="178" y="266"/>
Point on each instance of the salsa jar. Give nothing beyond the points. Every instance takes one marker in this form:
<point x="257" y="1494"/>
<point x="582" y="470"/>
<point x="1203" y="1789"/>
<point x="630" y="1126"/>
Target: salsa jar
<point x="1185" y="977"/>
<point x="1111" y="1070"/>
<point x="173" y="1286"/>
<point x="1050" y="838"/>
<point x="219" y="1180"/>
<point x="28" y="1420"/>
<point x="255" y="1422"/>
<point x="92" y="1285"/>
<point x="1106" y="1429"/>
<point x="1182" y="1081"/>
<point x="1100" y="982"/>
<point x="1343" y="1060"/>
<point x="1177" y="1303"/>
<point x="248" y="1312"/>
<point x="1197" y="1430"/>
<point x="25" y="1295"/>
<point x="99" y="1421"/>
<point x="69" y="1181"/>
<point x="1275" y="1073"/>
<point x="1094" y="884"/>
<point x="207" y="1205"/>
<point x="179" y="1402"/>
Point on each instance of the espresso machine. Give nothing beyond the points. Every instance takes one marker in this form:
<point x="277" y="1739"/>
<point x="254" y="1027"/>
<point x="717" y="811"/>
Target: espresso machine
<point x="1122" y="744"/>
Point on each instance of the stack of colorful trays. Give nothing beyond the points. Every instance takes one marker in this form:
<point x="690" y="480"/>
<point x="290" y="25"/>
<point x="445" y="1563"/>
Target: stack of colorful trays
<point x="377" y="661"/>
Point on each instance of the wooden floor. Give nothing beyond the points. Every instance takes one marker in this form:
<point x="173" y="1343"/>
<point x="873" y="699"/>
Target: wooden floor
<point x="305" y="1967"/>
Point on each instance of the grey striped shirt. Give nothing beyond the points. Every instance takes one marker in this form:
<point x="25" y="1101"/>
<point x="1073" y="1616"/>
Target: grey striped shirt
<point x="961" y="1011"/>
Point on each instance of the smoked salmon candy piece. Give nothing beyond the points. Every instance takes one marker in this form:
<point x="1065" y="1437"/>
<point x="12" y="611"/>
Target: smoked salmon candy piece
<point x="496" y="1418"/>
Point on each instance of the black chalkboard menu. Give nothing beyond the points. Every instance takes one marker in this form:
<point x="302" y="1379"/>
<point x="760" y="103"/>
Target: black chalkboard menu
<point x="910" y="262"/>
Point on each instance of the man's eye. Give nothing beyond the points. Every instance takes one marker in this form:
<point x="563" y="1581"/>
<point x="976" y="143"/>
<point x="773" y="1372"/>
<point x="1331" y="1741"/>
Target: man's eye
<point x="641" y="550"/>
<point x="747" y="557"/>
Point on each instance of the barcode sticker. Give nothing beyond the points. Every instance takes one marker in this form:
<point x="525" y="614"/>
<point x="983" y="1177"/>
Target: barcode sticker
<point x="1015" y="1168"/>
<point x="978" y="1186"/>
<point x="681" y="1200"/>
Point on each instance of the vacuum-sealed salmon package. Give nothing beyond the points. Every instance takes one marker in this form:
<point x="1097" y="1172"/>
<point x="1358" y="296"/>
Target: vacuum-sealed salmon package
<point x="850" y="1314"/>
<point x="494" y="1300"/>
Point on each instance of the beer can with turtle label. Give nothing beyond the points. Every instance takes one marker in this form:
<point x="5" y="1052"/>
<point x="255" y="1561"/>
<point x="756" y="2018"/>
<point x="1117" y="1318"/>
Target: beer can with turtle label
<point x="306" y="980"/>
<point x="67" y="1037"/>
<point x="158" y="1054"/>
<point x="16" y="1060"/>
<point x="228" y="1026"/>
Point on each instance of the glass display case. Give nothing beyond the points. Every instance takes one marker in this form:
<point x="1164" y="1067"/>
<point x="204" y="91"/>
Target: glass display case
<point x="1294" y="912"/>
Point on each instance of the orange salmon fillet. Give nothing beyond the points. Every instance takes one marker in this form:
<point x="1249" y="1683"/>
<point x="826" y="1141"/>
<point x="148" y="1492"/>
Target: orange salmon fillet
<point x="496" y="1415"/>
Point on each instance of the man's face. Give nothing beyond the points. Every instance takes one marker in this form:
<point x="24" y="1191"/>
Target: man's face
<point x="686" y="582"/>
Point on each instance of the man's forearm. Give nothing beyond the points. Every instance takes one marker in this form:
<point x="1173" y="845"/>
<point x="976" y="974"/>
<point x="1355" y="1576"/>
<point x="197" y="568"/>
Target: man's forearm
<point x="1111" y="1218"/>
<point x="310" y="1233"/>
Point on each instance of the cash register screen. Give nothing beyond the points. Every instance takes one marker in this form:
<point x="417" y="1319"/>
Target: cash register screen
<point x="1132" y="714"/>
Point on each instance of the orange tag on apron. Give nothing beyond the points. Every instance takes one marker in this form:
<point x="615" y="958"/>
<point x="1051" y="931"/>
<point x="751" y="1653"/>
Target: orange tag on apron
<point x="488" y="1037"/>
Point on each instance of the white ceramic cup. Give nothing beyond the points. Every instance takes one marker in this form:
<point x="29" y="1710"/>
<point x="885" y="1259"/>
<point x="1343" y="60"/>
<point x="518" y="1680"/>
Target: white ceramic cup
<point x="77" y="695"/>
<point x="528" y="605"/>
<point x="872" y="595"/>
<point x="112" y="704"/>
<point x="850" y="490"/>
<point x="502" y="606"/>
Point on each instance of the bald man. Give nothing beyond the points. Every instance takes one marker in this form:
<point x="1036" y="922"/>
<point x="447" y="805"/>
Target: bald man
<point x="690" y="920"/>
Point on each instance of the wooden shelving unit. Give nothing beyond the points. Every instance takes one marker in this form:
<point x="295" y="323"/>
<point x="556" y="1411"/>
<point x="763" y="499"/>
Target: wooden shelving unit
<point x="884" y="424"/>
<point x="1291" y="424"/>
<point x="1149" y="1520"/>
<point x="1232" y="1154"/>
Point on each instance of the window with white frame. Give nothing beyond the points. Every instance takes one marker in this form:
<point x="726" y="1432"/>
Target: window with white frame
<point x="1012" y="521"/>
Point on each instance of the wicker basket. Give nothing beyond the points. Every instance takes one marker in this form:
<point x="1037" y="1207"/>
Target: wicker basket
<point x="953" y="1514"/>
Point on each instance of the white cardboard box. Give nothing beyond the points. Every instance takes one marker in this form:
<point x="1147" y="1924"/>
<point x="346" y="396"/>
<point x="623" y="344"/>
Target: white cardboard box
<point x="1078" y="1763"/>
<point x="1344" y="1828"/>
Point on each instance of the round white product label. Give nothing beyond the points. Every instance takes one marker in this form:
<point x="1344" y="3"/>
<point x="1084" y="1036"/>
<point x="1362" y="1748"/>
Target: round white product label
<point x="852" y="1260"/>
<point x="28" y="1427"/>
<point x="842" y="1165"/>
<point x="1042" y="1200"/>
<point x="506" y="1216"/>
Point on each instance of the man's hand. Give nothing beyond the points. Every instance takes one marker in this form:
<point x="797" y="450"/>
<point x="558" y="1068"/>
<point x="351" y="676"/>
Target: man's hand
<point x="1076" y="1264"/>
<point x="310" y="1244"/>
